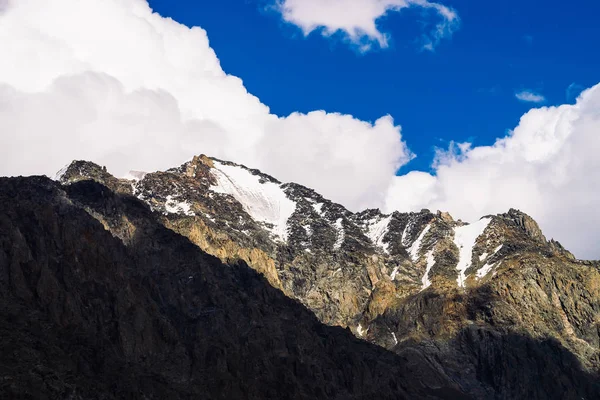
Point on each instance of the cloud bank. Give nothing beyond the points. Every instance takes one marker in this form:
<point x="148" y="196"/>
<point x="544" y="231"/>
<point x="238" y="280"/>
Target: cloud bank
<point x="357" y="19"/>
<point x="113" y="82"/>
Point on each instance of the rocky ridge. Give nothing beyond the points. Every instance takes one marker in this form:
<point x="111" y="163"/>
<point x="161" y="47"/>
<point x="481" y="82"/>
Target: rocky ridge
<point x="420" y="284"/>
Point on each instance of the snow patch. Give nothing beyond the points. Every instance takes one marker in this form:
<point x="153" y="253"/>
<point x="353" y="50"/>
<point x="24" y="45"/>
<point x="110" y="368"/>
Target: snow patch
<point x="394" y="337"/>
<point x="264" y="202"/>
<point x="318" y="208"/>
<point x="178" y="207"/>
<point x="465" y="238"/>
<point x="361" y="331"/>
<point x="134" y="188"/>
<point x="394" y="272"/>
<point x="483" y="256"/>
<point x="430" y="263"/>
<point x="413" y="250"/>
<point x="407" y="228"/>
<point x="308" y="230"/>
<point x="377" y="229"/>
<point x="211" y="219"/>
<point x="483" y="271"/>
<point x="341" y="234"/>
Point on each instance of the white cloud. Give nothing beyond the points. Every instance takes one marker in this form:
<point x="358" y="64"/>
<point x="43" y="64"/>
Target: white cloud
<point x="356" y="160"/>
<point x="357" y="19"/>
<point x="548" y="167"/>
<point x="530" y="97"/>
<point x="112" y="82"/>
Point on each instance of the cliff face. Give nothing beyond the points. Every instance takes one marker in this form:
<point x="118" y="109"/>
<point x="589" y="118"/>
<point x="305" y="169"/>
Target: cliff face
<point x="488" y="307"/>
<point x="99" y="300"/>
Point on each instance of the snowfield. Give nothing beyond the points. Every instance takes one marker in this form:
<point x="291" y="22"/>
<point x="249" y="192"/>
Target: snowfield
<point x="264" y="202"/>
<point x="465" y="238"/>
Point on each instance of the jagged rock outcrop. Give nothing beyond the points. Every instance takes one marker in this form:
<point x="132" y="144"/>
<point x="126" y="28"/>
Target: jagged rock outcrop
<point x="465" y="300"/>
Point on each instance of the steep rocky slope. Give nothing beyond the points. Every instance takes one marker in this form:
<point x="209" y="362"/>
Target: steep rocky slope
<point x="98" y="300"/>
<point x="492" y="305"/>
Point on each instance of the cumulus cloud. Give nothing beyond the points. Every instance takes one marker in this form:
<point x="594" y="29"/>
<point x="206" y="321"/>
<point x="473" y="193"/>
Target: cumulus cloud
<point x="357" y="19"/>
<point x="113" y="82"/>
<point x="530" y="97"/>
<point x="548" y="166"/>
<point x="330" y="144"/>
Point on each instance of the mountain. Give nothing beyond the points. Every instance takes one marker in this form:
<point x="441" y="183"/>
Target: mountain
<point x="139" y="312"/>
<point x="490" y="309"/>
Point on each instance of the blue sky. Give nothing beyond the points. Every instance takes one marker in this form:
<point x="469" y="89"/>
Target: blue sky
<point x="463" y="91"/>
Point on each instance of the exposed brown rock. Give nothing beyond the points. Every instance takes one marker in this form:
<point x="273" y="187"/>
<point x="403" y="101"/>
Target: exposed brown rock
<point x="219" y="245"/>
